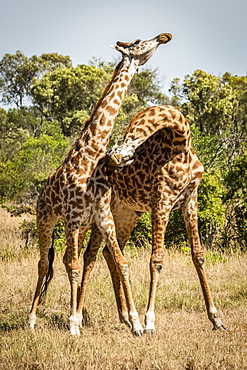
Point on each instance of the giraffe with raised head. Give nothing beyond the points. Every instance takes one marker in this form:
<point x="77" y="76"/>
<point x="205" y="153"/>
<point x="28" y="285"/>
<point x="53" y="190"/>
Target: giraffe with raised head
<point x="68" y="193"/>
<point x="162" y="174"/>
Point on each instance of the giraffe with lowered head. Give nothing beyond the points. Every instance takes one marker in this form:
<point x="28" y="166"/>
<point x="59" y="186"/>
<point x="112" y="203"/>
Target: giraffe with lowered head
<point x="160" y="173"/>
<point x="68" y="193"/>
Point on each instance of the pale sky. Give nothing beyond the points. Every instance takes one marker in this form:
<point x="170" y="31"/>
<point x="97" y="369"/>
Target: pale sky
<point x="210" y="35"/>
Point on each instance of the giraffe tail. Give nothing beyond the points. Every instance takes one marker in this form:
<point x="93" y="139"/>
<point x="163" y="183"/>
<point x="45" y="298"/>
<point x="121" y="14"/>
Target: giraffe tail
<point x="49" y="275"/>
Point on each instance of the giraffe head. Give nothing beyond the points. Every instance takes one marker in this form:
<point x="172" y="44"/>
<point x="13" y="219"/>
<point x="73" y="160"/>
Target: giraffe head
<point x="120" y="156"/>
<point x="141" y="51"/>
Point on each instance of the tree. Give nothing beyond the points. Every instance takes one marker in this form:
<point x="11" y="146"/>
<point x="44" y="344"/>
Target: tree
<point x="22" y="174"/>
<point x="17" y="73"/>
<point x="68" y="95"/>
<point x="217" y="106"/>
<point x="235" y="233"/>
<point x="217" y="109"/>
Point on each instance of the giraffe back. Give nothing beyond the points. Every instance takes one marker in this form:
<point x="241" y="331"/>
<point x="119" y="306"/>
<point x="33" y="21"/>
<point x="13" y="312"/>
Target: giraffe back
<point x="164" y="159"/>
<point x="149" y="121"/>
<point x="146" y="124"/>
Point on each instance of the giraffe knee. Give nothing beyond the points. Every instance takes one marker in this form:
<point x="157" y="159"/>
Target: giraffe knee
<point x="156" y="262"/>
<point x="159" y="267"/>
<point x="122" y="267"/>
<point x="72" y="266"/>
<point x="198" y="259"/>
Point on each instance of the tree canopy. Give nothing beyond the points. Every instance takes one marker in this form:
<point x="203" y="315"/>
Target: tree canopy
<point x="50" y="101"/>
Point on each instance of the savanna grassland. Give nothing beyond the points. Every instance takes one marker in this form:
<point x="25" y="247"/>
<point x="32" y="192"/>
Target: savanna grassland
<point x="184" y="338"/>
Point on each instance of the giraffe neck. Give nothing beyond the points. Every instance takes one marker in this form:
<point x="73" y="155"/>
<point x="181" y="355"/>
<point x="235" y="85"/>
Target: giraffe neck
<point x="90" y="147"/>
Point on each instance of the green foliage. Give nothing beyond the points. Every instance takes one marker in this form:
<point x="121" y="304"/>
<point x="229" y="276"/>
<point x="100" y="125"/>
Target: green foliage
<point x="235" y="232"/>
<point x="59" y="237"/>
<point x="69" y="94"/>
<point x="237" y="179"/>
<point x="217" y="108"/>
<point x="18" y="71"/>
<point x="128" y="110"/>
<point x="209" y="149"/>
<point x="211" y="214"/>
<point x="176" y="235"/>
<point x="210" y="200"/>
<point x="142" y="233"/>
<point x="214" y="258"/>
<point x="35" y="139"/>
<point x="211" y="100"/>
<point x="28" y="232"/>
<point x="37" y="157"/>
<point x="147" y="86"/>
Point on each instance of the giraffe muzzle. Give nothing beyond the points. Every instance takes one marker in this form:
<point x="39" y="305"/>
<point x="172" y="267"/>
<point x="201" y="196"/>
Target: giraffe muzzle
<point x="164" y="38"/>
<point x="115" y="159"/>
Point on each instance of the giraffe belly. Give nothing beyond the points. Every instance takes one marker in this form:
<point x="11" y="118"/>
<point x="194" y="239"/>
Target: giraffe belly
<point x="135" y="200"/>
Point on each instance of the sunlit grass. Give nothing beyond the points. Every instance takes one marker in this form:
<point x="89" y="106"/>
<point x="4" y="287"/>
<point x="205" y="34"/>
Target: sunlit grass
<point x="183" y="339"/>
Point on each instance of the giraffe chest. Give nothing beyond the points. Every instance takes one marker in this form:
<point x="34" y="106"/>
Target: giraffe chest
<point x="72" y="199"/>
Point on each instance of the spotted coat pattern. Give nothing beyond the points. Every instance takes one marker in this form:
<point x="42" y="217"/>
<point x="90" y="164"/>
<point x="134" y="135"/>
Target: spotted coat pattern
<point x="70" y="194"/>
<point x="164" y="175"/>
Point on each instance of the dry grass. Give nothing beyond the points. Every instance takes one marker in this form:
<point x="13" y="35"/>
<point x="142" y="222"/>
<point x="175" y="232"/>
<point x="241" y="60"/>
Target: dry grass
<point x="184" y="339"/>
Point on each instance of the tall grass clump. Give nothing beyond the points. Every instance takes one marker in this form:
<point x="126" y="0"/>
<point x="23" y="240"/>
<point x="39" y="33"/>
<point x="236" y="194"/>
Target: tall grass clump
<point x="183" y="338"/>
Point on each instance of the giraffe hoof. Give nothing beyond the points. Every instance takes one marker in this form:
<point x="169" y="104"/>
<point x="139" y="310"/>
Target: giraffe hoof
<point x="219" y="327"/>
<point x="124" y="320"/>
<point x="86" y="321"/>
<point x="31" y="321"/>
<point x="74" y="330"/>
<point x="137" y="333"/>
<point x="218" y="324"/>
<point x="149" y="331"/>
<point x="74" y="324"/>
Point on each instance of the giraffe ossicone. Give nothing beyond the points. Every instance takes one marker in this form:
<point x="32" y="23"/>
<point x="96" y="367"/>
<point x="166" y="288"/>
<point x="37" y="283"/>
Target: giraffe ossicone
<point x="69" y="192"/>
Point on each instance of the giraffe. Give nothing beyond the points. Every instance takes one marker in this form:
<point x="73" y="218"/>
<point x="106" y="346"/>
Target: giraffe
<point x="68" y="193"/>
<point x="161" y="172"/>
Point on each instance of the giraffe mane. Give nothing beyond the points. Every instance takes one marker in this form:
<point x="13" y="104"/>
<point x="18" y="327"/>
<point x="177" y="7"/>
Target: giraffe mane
<point x="88" y="121"/>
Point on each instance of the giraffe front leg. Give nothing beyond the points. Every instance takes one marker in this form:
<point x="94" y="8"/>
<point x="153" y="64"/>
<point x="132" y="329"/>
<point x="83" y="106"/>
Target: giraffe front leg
<point x="107" y="228"/>
<point x="118" y="289"/>
<point x="72" y="265"/>
<point x="190" y="218"/>
<point x="123" y="272"/>
<point x="125" y="220"/>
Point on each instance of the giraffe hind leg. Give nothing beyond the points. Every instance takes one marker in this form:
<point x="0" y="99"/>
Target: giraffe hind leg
<point x="118" y="288"/>
<point x="190" y="218"/>
<point x="45" y="269"/>
<point x="160" y="217"/>
<point x="89" y="259"/>
<point x="84" y="313"/>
